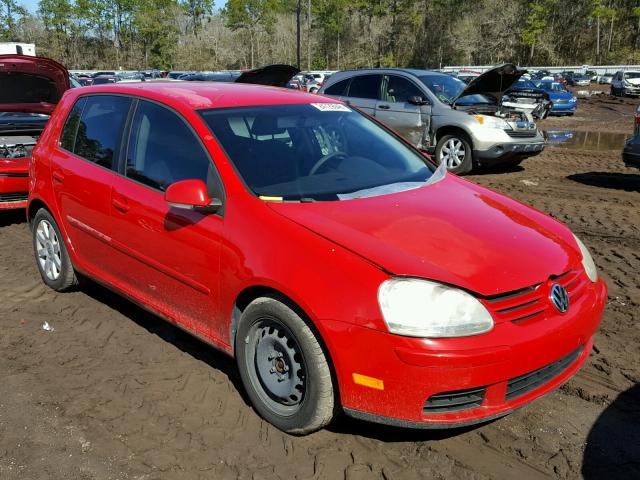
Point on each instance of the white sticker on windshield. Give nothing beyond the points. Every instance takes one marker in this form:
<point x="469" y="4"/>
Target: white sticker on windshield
<point x="331" y="107"/>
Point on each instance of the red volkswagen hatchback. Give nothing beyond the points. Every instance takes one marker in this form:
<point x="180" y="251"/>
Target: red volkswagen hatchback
<point x="338" y="266"/>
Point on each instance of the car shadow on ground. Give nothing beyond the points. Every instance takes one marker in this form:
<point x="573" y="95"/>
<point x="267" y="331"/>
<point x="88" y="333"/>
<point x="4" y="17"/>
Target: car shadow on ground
<point x="629" y="182"/>
<point x="613" y="444"/>
<point x="168" y="332"/>
<point x="344" y="424"/>
<point x="12" y="217"/>
<point x="496" y="169"/>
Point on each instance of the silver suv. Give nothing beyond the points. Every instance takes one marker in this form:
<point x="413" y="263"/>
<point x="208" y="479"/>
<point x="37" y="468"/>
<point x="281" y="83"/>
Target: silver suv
<point x="462" y="124"/>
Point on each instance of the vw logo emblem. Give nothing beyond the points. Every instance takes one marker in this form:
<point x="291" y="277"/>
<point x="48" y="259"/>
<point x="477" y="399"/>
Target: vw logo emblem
<point x="559" y="297"/>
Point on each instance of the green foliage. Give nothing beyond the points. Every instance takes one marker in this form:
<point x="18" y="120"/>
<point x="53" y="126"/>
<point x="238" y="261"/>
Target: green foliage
<point x="11" y="14"/>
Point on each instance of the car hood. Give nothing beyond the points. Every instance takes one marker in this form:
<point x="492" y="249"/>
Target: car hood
<point x="31" y="84"/>
<point x="633" y="81"/>
<point x="493" y="82"/>
<point x="273" y="75"/>
<point x="453" y="232"/>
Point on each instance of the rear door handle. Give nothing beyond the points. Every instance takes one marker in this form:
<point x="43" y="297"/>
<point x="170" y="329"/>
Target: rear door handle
<point x="120" y="205"/>
<point x="58" y="176"/>
<point x="384" y="107"/>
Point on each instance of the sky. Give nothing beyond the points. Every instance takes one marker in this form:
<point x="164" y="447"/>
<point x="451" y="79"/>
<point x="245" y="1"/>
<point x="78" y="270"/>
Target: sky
<point x="32" y="5"/>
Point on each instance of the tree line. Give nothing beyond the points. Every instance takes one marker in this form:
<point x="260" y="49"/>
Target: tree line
<point x="325" y="34"/>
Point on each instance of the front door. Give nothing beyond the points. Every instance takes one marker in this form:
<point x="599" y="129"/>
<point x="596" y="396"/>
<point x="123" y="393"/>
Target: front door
<point x="397" y="109"/>
<point x="168" y="256"/>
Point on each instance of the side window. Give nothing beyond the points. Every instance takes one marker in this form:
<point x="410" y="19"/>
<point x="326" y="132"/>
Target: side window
<point x="365" y="86"/>
<point x="163" y="150"/>
<point x="400" y="90"/>
<point x="68" y="136"/>
<point x="338" y="89"/>
<point x="100" y="128"/>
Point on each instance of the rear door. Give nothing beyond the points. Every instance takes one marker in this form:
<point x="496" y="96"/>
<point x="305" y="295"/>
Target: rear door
<point x="364" y="91"/>
<point x="82" y="175"/>
<point x="395" y="109"/>
<point x="167" y="256"/>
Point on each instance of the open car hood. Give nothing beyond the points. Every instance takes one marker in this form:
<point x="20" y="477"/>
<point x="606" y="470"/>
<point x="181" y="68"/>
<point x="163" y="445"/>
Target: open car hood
<point x="31" y="84"/>
<point x="273" y="75"/>
<point x="493" y="83"/>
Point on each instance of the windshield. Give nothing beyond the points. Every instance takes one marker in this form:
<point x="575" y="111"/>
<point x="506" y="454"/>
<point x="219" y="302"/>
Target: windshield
<point x="629" y="75"/>
<point x="523" y="83"/>
<point x="446" y="88"/>
<point x="313" y="152"/>
<point x="552" y="86"/>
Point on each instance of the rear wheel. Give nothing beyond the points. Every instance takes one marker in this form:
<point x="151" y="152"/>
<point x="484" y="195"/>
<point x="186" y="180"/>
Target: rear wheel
<point x="454" y="150"/>
<point x="51" y="253"/>
<point x="283" y="367"/>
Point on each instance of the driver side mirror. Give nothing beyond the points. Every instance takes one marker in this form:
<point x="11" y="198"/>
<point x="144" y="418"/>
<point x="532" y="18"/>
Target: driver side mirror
<point x="417" y="100"/>
<point x="191" y="195"/>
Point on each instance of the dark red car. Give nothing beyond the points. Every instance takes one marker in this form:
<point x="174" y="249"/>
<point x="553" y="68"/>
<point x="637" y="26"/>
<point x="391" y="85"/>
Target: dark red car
<point x="32" y="86"/>
<point x="323" y="252"/>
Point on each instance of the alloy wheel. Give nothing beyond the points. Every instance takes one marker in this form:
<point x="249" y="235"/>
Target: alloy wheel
<point x="48" y="250"/>
<point x="453" y="153"/>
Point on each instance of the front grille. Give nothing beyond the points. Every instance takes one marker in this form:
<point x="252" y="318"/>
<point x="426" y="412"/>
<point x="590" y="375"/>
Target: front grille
<point x="531" y="303"/>
<point x="14" y="175"/>
<point x="13" y="197"/>
<point x="454" y="401"/>
<point x="515" y="134"/>
<point x="562" y="102"/>
<point x="518" y="386"/>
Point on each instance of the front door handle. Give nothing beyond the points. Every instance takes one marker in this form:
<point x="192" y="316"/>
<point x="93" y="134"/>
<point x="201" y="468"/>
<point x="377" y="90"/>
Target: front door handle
<point x="58" y="176"/>
<point x="120" y="205"/>
<point x="384" y="107"/>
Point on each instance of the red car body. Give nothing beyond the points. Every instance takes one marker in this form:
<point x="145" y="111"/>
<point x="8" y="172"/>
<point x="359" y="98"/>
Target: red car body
<point x="330" y="258"/>
<point x="30" y="85"/>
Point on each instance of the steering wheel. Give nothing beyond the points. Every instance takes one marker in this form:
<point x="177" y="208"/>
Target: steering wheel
<point x="324" y="160"/>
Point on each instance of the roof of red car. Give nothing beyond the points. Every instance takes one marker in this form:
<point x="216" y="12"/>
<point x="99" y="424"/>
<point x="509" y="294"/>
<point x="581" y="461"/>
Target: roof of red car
<point x="198" y="95"/>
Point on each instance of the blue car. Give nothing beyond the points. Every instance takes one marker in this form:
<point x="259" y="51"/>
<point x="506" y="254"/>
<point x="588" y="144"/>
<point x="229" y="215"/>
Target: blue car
<point x="564" y="102"/>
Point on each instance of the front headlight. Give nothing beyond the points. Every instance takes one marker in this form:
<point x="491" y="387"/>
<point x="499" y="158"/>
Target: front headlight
<point x="574" y="99"/>
<point x="492" y="122"/>
<point x="421" y="308"/>
<point x="587" y="261"/>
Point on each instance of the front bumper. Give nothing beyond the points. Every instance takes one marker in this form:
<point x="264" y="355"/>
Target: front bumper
<point x="562" y="108"/>
<point x="631" y="91"/>
<point x="506" y="151"/>
<point x="412" y="372"/>
<point x="14" y="183"/>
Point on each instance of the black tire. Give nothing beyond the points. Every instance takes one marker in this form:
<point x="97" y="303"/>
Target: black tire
<point x="271" y="326"/>
<point x="59" y="257"/>
<point x="613" y="91"/>
<point x="466" y="165"/>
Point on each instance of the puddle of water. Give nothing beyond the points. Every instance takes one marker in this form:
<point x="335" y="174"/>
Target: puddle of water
<point x="575" y="140"/>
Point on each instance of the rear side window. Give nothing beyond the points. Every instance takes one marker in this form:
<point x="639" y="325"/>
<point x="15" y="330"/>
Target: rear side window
<point x="338" y="89"/>
<point x="163" y="150"/>
<point x="100" y="128"/>
<point x="365" y="86"/>
<point x="68" y="136"/>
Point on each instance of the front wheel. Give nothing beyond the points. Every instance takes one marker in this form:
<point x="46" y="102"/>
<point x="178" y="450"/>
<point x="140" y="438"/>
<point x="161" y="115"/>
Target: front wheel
<point x="283" y="367"/>
<point x="455" y="151"/>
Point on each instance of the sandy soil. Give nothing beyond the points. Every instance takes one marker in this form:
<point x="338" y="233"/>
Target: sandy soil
<point x="115" y="393"/>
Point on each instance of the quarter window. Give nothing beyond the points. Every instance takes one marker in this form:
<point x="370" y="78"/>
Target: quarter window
<point x="365" y="86"/>
<point x="100" y="128"/>
<point x="338" y="89"/>
<point x="163" y="150"/>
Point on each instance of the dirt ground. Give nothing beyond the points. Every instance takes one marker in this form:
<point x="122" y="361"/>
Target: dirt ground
<point x="115" y="393"/>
